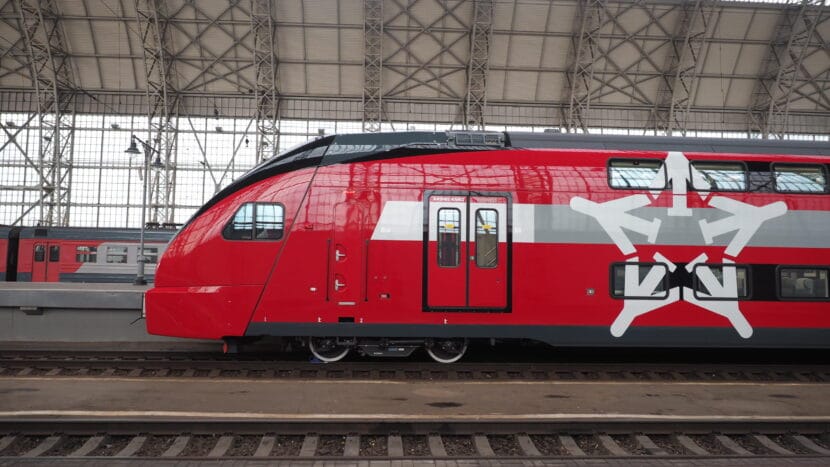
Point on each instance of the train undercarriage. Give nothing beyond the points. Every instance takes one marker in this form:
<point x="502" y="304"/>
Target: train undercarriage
<point x="332" y="349"/>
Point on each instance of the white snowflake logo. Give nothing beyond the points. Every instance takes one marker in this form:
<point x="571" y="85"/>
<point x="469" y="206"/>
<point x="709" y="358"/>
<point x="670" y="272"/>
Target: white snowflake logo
<point x="744" y="220"/>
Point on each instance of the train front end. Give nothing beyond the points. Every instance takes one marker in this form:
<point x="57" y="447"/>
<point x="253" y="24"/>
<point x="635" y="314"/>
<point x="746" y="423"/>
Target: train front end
<point x="211" y="276"/>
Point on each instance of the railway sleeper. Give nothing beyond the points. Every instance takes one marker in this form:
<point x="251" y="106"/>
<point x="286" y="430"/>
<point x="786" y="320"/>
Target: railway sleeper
<point x="395" y="445"/>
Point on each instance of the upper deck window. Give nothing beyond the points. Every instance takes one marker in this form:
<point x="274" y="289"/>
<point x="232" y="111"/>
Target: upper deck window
<point x="799" y="178"/>
<point x="719" y="176"/>
<point x="644" y="174"/>
<point x="256" y="221"/>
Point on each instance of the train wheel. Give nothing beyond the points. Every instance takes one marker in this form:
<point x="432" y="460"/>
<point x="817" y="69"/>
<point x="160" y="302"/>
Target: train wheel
<point x="447" y="350"/>
<point x="327" y="349"/>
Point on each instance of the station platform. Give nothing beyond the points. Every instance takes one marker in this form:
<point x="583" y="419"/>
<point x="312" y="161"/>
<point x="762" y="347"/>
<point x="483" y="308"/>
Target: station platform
<point x="34" y="296"/>
<point x="66" y="312"/>
<point x="422" y="401"/>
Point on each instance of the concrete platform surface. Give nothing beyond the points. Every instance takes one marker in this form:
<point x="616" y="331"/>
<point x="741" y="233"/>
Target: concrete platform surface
<point x="422" y="400"/>
<point x="36" y="296"/>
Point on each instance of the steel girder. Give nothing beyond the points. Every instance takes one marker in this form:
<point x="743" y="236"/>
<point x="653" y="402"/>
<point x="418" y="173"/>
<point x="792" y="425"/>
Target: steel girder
<point x="162" y="101"/>
<point x="54" y="86"/>
<point x="478" y="68"/>
<point x="675" y="94"/>
<point x="372" y="65"/>
<point x="266" y="91"/>
<point x="581" y="74"/>
<point x="780" y="70"/>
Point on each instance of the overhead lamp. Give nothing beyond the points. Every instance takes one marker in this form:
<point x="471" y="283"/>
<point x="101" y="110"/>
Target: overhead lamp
<point x="157" y="164"/>
<point x="133" y="149"/>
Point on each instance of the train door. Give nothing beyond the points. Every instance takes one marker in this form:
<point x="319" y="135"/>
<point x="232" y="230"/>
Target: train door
<point x="348" y="254"/>
<point x="45" y="262"/>
<point x="467" y="252"/>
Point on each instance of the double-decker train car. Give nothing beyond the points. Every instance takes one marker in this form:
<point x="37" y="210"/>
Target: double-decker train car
<point x="76" y="254"/>
<point x="388" y="242"/>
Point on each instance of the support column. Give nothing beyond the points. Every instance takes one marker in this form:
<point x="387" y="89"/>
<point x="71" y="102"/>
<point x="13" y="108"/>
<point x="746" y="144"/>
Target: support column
<point x="780" y="71"/>
<point x="581" y="75"/>
<point x="266" y="91"/>
<point x="162" y="101"/>
<point x="54" y="85"/>
<point x="372" y="65"/>
<point x="676" y="92"/>
<point x="478" y="67"/>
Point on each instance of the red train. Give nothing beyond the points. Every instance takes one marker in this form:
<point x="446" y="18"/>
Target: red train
<point x="389" y="242"/>
<point x="74" y="254"/>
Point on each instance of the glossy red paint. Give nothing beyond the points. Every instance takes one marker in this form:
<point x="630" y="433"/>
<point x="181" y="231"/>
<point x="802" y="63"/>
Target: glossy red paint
<point x="328" y="268"/>
<point x="212" y="312"/>
<point x="4" y="246"/>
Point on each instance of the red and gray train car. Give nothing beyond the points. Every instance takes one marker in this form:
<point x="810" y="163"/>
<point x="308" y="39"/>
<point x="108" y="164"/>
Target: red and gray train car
<point x="72" y="254"/>
<point x="388" y="242"/>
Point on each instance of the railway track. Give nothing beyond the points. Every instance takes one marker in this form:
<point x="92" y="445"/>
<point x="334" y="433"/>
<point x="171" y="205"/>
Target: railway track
<point x="200" y="365"/>
<point x="360" y="440"/>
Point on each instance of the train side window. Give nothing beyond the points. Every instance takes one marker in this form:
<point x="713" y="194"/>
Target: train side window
<point x="644" y="174"/>
<point x="639" y="280"/>
<point x="151" y="255"/>
<point x="487" y="238"/>
<point x="256" y="221"/>
<point x="721" y="282"/>
<point x="449" y="237"/>
<point x="86" y="254"/>
<point x="117" y="254"/>
<point x="269" y="221"/>
<point x="241" y="226"/>
<point x="799" y="178"/>
<point x="719" y="176"/>
<point x="803" y="283"/>
<point x="54" y="253"/>
<point x="40" y="253"/>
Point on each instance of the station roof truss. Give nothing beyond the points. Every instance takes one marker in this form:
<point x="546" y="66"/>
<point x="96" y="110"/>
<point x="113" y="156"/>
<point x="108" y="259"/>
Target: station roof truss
<point x="665" y="65"/>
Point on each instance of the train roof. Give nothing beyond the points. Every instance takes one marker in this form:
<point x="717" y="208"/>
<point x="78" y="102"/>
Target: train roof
<point x="344" y="148"/>
<point x="668" y="143"/>
<point x="88" y="233"/>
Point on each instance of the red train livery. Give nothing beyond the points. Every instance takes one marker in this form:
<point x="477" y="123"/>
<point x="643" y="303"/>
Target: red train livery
<point x="388" y="242"/>
<point x="77" y="254"/>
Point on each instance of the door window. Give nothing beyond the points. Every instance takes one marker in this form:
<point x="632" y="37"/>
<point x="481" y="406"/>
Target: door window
<point x="449" y="237"/>
<point x="40" y="253"/>
<point x="487" y="238"/>
<point x="54" y="253"/>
